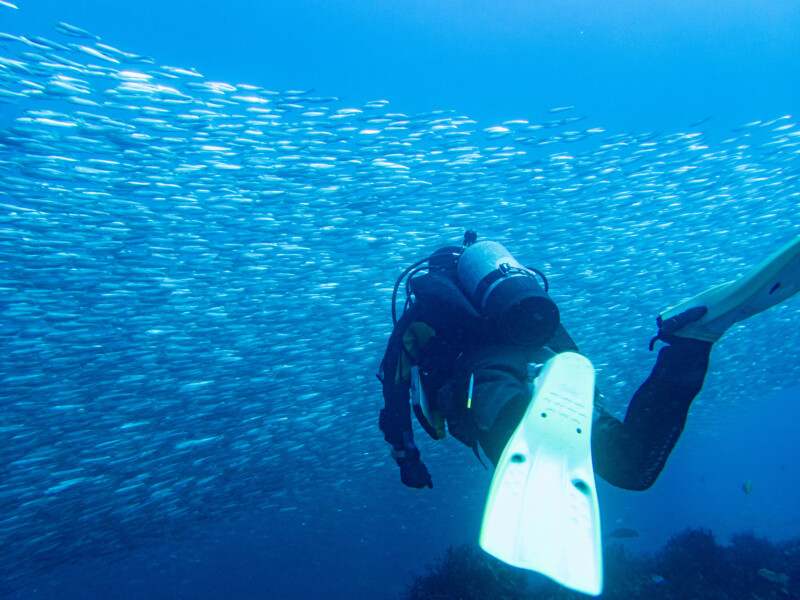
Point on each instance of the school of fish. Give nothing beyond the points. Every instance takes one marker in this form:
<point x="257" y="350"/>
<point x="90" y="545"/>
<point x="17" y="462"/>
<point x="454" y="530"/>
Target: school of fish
<point x="195" y="276"/>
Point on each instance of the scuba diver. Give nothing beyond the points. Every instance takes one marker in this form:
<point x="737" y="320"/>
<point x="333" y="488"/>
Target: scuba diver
<point x="477" y="325"/>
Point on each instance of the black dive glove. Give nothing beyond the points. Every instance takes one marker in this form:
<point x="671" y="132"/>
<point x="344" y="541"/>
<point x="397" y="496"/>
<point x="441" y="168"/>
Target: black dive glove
<point x="412" y="471"/>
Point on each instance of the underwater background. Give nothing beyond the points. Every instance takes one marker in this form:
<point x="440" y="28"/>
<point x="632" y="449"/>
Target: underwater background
<point x="204" y="207"/>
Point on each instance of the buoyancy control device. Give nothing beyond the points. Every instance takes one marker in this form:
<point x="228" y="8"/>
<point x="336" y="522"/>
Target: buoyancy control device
<point x="506" y="295"/>
<point x="478" y="285"/>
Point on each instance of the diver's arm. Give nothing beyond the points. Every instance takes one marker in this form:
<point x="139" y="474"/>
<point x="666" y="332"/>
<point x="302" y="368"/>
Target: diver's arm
<point x="395" y="418"/>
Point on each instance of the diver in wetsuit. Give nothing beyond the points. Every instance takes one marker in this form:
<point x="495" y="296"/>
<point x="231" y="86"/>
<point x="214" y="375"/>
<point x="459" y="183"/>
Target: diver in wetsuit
<point x="475" y="319"/>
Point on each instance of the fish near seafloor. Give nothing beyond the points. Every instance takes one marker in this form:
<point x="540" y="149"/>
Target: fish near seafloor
<point x="195" y="275"/>
<point x="623" y="533"/>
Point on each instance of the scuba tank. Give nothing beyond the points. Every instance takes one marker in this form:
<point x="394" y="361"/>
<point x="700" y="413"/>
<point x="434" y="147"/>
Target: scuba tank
<point x="514" y="307"/>
<point x="483" y="281"/>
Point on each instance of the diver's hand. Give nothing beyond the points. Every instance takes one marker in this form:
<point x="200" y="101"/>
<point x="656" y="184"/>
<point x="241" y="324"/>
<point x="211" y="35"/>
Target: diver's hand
<point x="413" y="472"/>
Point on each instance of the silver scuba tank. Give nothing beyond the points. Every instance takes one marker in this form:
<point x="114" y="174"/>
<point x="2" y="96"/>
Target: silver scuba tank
<point x="508" y="297"/>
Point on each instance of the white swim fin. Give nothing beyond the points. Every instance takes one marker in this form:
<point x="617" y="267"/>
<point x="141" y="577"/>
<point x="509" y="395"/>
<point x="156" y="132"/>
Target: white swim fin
<point x="542" y="512"/>
<point x="772" y="281"/>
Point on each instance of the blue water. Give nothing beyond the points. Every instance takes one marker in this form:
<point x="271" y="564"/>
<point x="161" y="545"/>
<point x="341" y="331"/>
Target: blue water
<point x="654" y="67"/>
<point x="188" y="401"/>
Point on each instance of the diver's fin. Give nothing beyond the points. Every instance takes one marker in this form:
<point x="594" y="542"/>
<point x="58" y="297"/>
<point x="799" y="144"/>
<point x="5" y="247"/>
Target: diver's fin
<point x="542" y="512"/>
<point x="769" y="283"/>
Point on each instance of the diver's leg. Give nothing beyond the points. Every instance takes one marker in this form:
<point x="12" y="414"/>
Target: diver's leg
<point x="493" y="440"/>
<point x="499" y="394"/>
<point x="632" y="454"/>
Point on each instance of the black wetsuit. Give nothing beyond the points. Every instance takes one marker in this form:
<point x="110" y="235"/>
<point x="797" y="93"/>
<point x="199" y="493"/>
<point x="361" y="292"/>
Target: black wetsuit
<point x="446" y="339"/>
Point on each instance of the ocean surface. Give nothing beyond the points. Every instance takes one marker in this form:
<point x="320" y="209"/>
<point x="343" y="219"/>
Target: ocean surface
<point x="203" y="210"/>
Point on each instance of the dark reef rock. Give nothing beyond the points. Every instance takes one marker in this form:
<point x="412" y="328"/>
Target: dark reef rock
<point x="690" y="566"/>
